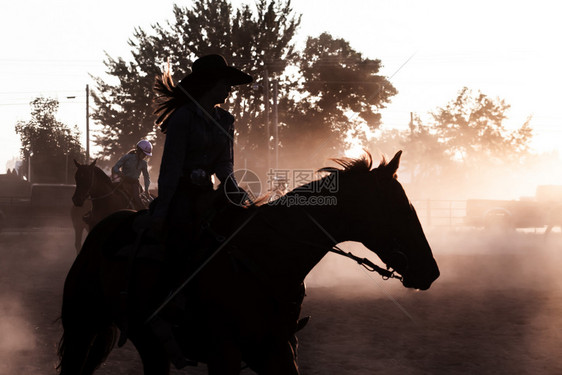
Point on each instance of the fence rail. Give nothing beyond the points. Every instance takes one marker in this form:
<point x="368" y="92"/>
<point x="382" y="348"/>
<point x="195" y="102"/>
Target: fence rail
<point x="13" y="200"/>
<point x="441" y="213"/>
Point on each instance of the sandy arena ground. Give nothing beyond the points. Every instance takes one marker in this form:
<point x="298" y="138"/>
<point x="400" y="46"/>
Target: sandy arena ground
<point x="497" y="309"/>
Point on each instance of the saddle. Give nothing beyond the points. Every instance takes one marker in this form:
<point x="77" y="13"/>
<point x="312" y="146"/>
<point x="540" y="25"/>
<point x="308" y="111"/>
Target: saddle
<point x="133" y="246"/>
<point x="131" y="190"/>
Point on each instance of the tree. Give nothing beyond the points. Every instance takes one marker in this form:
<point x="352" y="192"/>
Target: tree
<point x="252" y="41"/>
<point x="48" y="143"/>
<point x="318" y="88"/>
<point x="338" y="91"/>
<point x="464" y="150"/>
<point x="471" y="127"/>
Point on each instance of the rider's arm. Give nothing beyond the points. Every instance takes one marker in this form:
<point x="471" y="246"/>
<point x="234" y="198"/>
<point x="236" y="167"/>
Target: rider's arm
<point x="225" y="167"/>
<point x="146" y="177"/>
<point x="119" y="164"/>
<point x="225" y="162"/>
<point x="171" y="168"/>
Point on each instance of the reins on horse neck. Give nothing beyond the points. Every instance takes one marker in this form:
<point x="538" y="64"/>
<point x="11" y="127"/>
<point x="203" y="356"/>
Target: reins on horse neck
<point x="366" y="263"/>
<point x="89" y="193"/>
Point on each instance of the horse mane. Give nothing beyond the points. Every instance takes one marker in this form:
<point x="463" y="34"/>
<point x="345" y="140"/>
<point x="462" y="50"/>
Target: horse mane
<point x="349" y="166"/>
<point x="102" y="175"/>
<point x="354" y="165"/>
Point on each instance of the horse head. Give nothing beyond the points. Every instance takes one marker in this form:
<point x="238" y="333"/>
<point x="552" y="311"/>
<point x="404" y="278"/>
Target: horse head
<point x="84" y="179"/>
<point x="377" y="213"/>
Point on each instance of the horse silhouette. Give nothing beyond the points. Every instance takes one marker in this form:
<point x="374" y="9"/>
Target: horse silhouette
<point x="106" y="196"/>
<point x="242" y="303"/>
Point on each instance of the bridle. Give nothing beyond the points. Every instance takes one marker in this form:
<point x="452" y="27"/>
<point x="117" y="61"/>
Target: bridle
<point x="386" y="274"/>
<point x="368" y="265"/>
<point x="88" y="194"/>
<point x="392" y="253"/>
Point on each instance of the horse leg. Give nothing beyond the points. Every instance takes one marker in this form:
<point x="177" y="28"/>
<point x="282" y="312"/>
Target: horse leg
<point x="99" y="349"/>
<point x="85" y="343"/>
<point x="225" y="359"/>
<point x="153" y="356"/>
<point x="73" y="352"/>
<point x="281" y="360"/>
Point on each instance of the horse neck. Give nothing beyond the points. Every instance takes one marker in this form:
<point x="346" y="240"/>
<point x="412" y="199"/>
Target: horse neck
<point x="100" y="185"/>
<point x="302" y="234"/>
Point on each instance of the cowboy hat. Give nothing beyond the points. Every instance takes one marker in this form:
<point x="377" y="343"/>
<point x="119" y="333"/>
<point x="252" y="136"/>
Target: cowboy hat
<point x="215" y="66"/>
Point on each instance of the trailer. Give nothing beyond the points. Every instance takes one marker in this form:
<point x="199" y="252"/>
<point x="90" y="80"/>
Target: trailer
<point x="42" y="205"/>
<point x="543" y="210"/>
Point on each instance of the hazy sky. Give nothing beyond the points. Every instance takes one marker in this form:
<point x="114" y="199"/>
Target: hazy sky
<point x="506" y="49"/>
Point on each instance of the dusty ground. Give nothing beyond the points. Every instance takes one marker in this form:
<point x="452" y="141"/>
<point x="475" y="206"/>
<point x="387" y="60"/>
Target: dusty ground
<point x="497" y="309"/>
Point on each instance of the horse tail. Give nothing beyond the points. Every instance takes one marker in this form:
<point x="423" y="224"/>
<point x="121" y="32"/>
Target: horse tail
<point x="89" y="334"/>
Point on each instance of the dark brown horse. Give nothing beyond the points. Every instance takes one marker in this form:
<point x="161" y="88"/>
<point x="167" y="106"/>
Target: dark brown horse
<point x="106" y="197"/>
<point x="243" y="304"/>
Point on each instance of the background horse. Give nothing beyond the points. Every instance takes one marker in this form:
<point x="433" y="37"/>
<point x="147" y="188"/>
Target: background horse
<point x="244" y="304"/>
<point x="106" y="197"/>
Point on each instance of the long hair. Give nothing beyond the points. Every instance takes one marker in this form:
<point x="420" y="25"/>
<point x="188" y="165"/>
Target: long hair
<point x="170" y="96"/>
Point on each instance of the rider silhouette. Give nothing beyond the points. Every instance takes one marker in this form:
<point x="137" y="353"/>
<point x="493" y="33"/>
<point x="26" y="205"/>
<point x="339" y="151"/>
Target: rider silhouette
<point x="199" y="139"/>
<point x="199" y="144"/>
<point x="129" y="168"/>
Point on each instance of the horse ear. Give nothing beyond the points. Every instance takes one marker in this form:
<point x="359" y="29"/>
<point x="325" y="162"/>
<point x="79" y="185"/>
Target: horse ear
<point x="393" y="165"/>
<point x="76" y="163"/>
<point x="93" y="163"/>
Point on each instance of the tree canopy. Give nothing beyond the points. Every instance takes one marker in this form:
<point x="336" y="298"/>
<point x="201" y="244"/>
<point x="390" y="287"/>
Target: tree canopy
<point x="464" y="146"/>
<point x="49" y="144"/>
<point x="472" y="127"/>
<point x="318" y="88"/>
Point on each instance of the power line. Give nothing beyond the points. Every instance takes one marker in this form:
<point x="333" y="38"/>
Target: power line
<point x="36" y="92"/>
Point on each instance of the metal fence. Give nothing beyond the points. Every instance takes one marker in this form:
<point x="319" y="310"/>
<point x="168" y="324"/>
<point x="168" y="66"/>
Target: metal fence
<point x="441" y="213"/>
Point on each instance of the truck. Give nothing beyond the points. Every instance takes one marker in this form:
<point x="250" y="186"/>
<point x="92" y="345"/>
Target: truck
<point x="36" y="205"/>
<point x="542" y="210"/>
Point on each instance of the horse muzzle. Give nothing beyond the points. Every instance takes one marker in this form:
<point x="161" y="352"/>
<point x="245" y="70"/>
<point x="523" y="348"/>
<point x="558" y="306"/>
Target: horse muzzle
<point x="421" y="280"/>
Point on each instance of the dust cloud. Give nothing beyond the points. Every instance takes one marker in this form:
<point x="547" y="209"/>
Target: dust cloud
<point x="495" y="309"/>
<point x="17" y="334"/>
<point x="34" y="262"/>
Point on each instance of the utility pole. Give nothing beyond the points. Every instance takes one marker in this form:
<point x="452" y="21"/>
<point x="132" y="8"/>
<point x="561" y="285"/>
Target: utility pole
<point x="275" y="123"/>
<point x="87" y="124"/>
<point x="267" y="132"/>
<point x="29" y="166"/>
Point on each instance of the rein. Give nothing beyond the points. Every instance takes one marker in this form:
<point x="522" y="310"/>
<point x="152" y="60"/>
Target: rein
<point x="92" y="198"/>
<point x="367" y="264"/>
<point x="105" y="195"/>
